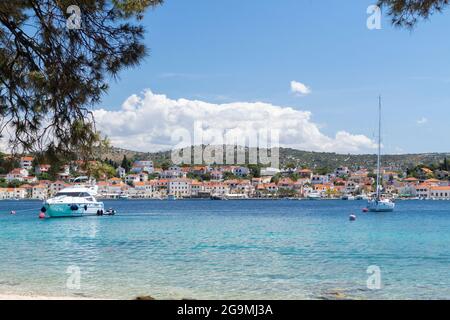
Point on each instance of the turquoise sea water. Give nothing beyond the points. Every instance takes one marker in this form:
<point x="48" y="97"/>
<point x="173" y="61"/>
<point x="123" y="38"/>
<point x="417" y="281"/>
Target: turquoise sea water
<point x="229" y="249"/>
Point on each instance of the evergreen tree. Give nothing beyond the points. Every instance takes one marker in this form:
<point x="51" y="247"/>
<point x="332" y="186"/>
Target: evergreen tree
<point x="126" y="164"/>
<point x="406" y="13"/>
<point x="56" y="58"/>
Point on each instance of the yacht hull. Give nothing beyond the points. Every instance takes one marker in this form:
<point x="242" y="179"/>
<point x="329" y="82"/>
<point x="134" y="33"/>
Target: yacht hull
<point x="62" y="210"/>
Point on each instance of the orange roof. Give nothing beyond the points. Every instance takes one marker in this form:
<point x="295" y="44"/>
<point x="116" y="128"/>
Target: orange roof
<point x="411" y="179"/>
<point x="286" y="181"/>
<point x="26" y="158"/>
<point x="445" y="188"/>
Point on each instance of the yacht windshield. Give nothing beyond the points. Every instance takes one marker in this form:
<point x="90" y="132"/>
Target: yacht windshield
<point x="73" y="194"/>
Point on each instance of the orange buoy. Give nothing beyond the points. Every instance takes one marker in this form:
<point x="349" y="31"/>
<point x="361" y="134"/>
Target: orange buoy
<point x="365" y="210"/>
<point x="41" y="215"/>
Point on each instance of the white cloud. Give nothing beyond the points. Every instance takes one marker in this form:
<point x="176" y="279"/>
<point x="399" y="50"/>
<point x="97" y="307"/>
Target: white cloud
<point x="146" y="123"/>
<point x="422" y="121"/>
<point x="300" y="88"/>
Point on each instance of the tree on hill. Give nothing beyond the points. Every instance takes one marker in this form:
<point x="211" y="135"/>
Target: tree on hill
<point x="126" y="164"/>
<point x="56" y="58"/>
<point x="444" y="165"/>
<point x="165" y="165"/>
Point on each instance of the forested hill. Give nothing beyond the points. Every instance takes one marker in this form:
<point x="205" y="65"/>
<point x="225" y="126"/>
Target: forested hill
<point x="305" y="158"/>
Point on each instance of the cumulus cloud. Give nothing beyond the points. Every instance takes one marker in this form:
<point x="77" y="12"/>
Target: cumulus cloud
<point x="300" y="88"/>
<point x="147" y="123"/>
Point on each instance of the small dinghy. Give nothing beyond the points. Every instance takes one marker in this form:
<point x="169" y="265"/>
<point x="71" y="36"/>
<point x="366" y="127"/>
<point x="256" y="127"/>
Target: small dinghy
<point x="110" y="212"/>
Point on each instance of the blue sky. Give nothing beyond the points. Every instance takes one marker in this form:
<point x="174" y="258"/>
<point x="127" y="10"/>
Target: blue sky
<point x="250" y="51"/>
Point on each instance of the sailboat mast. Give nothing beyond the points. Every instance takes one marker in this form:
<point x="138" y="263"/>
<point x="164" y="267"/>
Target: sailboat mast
<point x="379" y="150"/>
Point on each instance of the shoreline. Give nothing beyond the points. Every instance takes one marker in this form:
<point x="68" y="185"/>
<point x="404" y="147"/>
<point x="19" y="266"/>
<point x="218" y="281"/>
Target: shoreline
<point x="37" y="297"/>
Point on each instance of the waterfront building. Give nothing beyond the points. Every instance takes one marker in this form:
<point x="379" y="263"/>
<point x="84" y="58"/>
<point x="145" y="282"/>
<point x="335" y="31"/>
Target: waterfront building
<point x="216" y="188"/>
<point x="180" y="188"/>
<point x="423" y="190"/>
<point x="40" y="192"/>
<point x="196" y="188"/>
<point x="56" y="186"/>
<point x="440" y="193"/>
<point x="142" y="190"/>
<point x="286" y="183"/>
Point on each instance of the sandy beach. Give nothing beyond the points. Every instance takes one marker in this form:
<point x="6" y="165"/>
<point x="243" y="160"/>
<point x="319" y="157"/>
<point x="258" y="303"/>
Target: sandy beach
<point x="37" y="297"/>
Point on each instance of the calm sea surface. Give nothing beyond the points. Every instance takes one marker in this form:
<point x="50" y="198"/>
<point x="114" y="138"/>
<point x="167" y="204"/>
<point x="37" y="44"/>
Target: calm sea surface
<point x="228" y="249"/>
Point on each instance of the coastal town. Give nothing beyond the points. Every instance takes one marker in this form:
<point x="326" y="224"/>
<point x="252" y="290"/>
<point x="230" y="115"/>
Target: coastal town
<point x="143" y="180"/>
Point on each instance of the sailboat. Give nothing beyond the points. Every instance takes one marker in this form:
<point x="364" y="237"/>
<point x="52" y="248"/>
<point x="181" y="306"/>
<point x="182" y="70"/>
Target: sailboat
<point x="379" y="204"/>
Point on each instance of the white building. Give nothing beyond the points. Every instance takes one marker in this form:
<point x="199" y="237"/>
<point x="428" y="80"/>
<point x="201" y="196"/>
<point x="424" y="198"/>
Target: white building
<point x="18" y="174"/>
<point x="351" y="187"/>
<point x="142" y="190"/>
<point x="179" y="187"/>
<point x="132" y="178"/>
<point x="440" y="193"/>
<point x="39" y="191"/>
<point x="217" y="188"/>
<point x="142" y="166"/>
<point x="216" y="175"/>
<point x="13" y="193"/>
<point x="56" y="186"/>
<point x="121" y="172"/>
<point x="241" y="171"/>
<point x="196" y="188"/>
<point x="319" y="179"/>
<point x="26" y="163"/>
<point x="423" y="191"/>
<point x="173" y="173"/>
<point x="342" y="171"/>
<point x="269" y="172"/>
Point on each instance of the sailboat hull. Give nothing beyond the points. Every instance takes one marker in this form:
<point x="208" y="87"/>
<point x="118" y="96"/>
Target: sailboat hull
<point x="381" y="206"/>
